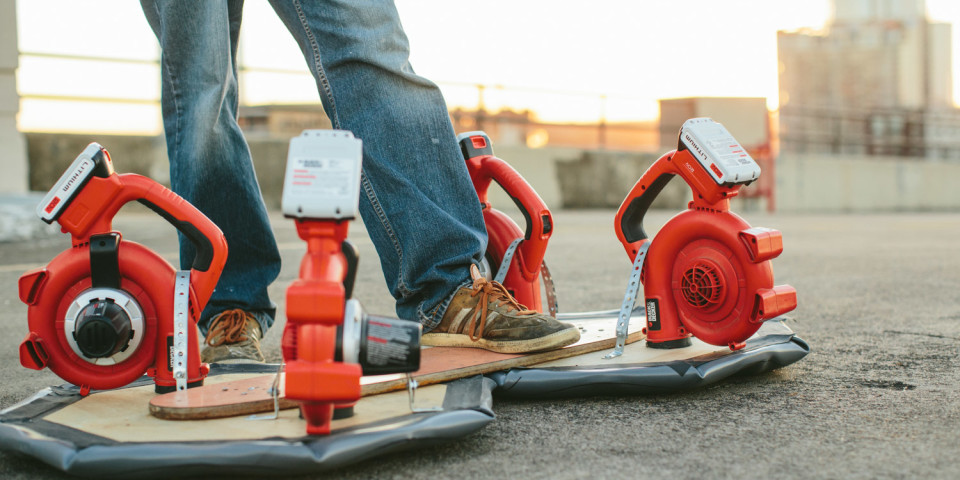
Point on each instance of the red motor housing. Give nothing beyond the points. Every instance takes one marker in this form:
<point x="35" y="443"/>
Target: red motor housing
<point x="103" y="278"/>
<point x="707" y="272"/>
<point x="523" y="275"/>
<point x="315" y="308"/>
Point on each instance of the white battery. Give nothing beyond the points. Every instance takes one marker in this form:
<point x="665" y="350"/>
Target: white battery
<point x="718" y="152"/>
<point x="322" y="179"/>
<point x="72" y="180"/>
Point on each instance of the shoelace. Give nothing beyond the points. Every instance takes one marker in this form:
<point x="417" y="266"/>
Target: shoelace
<point x="230" y="327"/>
<point x="491" y="292"/>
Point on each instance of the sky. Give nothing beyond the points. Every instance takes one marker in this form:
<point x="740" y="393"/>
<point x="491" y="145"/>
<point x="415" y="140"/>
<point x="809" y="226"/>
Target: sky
<point x="555" y="57"/>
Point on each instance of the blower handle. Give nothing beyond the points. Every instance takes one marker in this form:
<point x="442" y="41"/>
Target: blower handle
<point x="629" y="220"/>
<point x="206" y="237"/>
<point x="484" y="167"/>
<point x="707" y="194"/>
<point x="92" y="210"/>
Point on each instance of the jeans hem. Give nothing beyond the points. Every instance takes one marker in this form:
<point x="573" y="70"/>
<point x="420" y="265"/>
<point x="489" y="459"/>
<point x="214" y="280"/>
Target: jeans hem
<point x="431" y="321"/>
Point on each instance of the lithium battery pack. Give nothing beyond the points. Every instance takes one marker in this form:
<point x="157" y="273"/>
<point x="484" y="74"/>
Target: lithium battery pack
<point x="93" y="161"/>
<point x="720" y="154"/>
<point x="322" y="179"/>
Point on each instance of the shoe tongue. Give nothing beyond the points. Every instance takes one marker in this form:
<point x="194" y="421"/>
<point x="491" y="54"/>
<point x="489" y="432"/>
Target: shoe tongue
<point x="475" y="272"/>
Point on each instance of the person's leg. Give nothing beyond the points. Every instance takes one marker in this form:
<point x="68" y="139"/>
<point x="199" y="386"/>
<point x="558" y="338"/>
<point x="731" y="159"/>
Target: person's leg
<point x="418" y="204"/>
<point x="210" y="164"/>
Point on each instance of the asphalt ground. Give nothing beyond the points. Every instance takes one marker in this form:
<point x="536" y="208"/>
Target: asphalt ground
<point x="878" y="397"/>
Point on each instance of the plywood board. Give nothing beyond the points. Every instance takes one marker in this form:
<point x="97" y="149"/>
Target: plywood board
<point x="438" y="365"/>
<point x="120" y="415"/>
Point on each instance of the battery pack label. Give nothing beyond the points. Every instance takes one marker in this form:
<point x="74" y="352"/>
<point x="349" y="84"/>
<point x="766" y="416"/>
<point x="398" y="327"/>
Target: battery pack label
<point x="389" y="345"/>
<point x="322" y="178"/>
<point x="653" y="314"/>
<point x="718" y="152"/>
<point x="170" y="354"/>
<point x="67" y="186"/>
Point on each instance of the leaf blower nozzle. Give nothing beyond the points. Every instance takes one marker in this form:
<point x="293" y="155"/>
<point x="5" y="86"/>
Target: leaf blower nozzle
<point x="102" y="329"/>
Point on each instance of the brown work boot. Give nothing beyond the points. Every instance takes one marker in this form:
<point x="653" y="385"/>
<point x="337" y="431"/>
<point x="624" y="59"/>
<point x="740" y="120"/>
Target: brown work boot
<point x="233" y="337"/>
<point x="486" y="316"/>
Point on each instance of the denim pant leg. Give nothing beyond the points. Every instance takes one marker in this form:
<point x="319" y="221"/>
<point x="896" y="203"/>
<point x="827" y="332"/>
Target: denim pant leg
<point x="418" y="203"/>
<point x="210" y="164"/>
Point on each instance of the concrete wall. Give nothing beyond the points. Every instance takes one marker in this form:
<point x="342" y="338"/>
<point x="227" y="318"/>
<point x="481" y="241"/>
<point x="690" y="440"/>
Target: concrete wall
<point x="13" y="180"/>
<point x="571" y="178"/>
<point x="51" y="154"/>
<point x="820" y="183"/>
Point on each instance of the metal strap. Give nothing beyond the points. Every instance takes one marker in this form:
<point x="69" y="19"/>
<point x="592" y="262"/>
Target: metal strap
<point x="629" y="300"/>
<point x="412" y="395"/>
<point x="275" y="394"/>
<point x="181" y="313"/>
<point x="507" y="259"/>
<point x="544" y="273"/>
<point x="550" y="289"/>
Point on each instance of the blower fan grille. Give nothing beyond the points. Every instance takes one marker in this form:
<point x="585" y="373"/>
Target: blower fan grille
<point x="701" y="285"/>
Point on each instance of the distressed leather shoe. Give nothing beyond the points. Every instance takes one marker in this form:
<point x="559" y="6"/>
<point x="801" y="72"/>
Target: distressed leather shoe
<point x="486" y="316"/>
<point x="233" y="337"/>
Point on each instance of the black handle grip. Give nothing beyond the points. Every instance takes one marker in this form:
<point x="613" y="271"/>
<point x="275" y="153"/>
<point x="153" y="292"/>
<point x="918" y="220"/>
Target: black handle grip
<point x="204" y="258"/>
<point x="631" y="223"/>
<point x="352" y="255"/>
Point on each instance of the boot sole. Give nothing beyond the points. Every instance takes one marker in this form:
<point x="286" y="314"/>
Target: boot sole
<point x="553" y="341"/>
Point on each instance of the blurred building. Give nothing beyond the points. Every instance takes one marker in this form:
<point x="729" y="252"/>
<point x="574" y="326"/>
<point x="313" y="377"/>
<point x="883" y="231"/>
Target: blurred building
<point x="511" y="128"/>
<point x="506" y="128"/>
<point x="281" y="121"/>
<point x="746" y="118"/>
<point x="12" y="146"/>
<point x="877" y="80"/>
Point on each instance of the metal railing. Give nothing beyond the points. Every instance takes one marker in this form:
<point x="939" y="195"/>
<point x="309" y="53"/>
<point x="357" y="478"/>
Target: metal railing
<point x="902" y="132"/>
<point x="595" y="120"/>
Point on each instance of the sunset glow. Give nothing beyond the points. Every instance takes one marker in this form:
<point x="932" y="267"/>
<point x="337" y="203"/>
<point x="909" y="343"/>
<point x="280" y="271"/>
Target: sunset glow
<point x="566" y="61"/>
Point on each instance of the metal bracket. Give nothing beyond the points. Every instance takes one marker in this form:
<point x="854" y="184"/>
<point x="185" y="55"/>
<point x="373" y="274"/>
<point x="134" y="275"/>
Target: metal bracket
<point x="181" y="312"/>
<point x="412" y="394"/>
<point x="550" y="289"/>
<point x="629" y="300"/>
<point x="505" y="262"/>
<point x="275" y="393"/>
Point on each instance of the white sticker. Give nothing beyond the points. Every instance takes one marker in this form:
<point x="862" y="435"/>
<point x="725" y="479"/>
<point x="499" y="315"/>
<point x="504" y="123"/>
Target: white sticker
<point x="718" y="152"/>
<point x="68" y="185"/>
<point x="323" y="175"/>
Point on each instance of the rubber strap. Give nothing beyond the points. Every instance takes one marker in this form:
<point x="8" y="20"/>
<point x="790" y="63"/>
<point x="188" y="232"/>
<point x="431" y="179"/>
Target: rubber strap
<point x="181" y="313"/>
<point x="629" y="300"/>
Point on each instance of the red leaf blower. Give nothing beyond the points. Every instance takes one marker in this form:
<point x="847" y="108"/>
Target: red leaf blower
<point x="328" y="341"/>
<point x="707" y="272"/>
<point x="518" y="253"/>
<point x="106" y="311"/>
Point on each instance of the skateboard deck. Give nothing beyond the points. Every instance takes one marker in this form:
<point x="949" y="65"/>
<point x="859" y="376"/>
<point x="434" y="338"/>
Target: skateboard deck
<point x="438" y="364"/>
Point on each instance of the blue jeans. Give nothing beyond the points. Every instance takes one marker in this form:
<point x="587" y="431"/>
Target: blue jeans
<point x="417" y="201"/>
